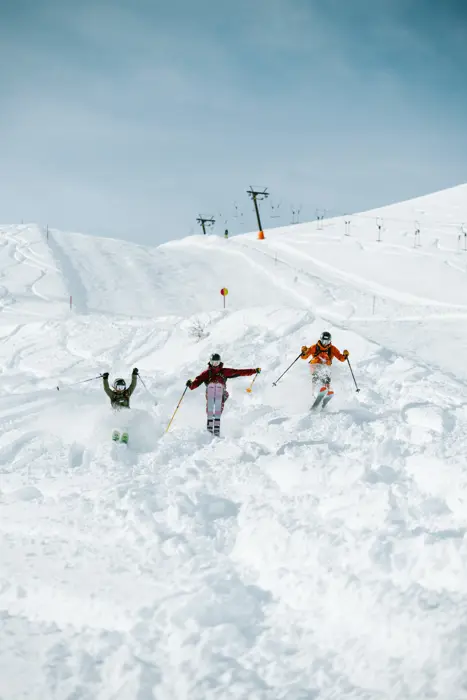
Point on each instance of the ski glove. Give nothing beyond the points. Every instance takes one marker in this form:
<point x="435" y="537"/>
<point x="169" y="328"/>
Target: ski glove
<point x="304" y="349"/>
<point x="105" y="375"/>
<point x="258" y="370"/>
<point x="135" y="371"/>
<point x="346" y="353"/>
<point x="189" y="383"/>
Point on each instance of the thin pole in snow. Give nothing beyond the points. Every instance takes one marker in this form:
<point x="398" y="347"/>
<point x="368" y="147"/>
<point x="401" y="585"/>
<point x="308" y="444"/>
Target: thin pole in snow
<point x="416" y="235"/>
<point x="379" y="224"/>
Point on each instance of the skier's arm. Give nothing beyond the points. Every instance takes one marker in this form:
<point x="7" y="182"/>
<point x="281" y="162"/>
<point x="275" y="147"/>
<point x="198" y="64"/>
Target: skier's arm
<point x="107" y="389"/>
<point x="306" y="353"/>
<point x="230" y="373"/>
<point x="134" y="380"/>
<point x="199" y="380"/>
<point x="340" y="356"/>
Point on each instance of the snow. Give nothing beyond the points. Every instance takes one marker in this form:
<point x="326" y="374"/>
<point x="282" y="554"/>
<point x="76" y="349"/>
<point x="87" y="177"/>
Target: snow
<point x="297" y="557"/>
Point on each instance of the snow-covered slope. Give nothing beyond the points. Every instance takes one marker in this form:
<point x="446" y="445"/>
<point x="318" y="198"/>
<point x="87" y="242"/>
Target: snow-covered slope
<point x="300" y="556"/>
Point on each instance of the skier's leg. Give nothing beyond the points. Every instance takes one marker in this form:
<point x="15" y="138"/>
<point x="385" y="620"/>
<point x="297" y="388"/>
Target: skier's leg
<point x="314" y="375"/>
<point x="317" y="378"/>
<point x="321" y="378"/>
<point x="210" y="405"/>
<point x="219" y="404"/>
<point x="329" y="389"/>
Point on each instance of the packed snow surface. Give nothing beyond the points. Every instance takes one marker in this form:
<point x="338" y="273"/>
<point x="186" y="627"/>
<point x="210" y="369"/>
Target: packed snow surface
<point x="300" y="556"/>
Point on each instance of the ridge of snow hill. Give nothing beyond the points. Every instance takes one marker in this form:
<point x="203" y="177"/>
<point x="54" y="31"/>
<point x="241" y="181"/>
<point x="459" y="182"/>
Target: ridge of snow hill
<point x="298" y="557"/>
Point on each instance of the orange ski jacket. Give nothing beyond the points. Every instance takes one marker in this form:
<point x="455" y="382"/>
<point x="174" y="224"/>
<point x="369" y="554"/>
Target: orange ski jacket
<point x="322" y="354"/>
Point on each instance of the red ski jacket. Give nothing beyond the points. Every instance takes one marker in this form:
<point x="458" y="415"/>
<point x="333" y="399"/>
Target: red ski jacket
<point x="219" y="375"/>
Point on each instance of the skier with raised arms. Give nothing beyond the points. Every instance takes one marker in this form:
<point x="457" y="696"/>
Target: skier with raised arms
<point x="119" y="397"/>
<point x="215" y="379"/>
<point x="322" y="354"/>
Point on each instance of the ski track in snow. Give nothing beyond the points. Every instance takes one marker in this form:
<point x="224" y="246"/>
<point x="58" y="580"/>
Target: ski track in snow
<point x="299" y="557"/>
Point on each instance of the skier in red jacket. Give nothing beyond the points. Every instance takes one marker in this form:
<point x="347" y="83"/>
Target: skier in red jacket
<point x="215" y="378"/>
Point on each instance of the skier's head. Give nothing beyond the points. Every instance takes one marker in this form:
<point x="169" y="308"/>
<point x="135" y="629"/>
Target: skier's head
<point x="215" y="360"/>
<point x="325" y="338"/>
<point x="119" y="385"/>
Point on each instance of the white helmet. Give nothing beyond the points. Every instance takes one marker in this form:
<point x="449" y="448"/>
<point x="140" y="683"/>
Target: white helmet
<point x="325" y="338"/>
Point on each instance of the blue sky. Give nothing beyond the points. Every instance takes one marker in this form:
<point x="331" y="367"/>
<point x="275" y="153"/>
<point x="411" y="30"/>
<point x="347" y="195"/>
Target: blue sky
<point x="131" y="118"/>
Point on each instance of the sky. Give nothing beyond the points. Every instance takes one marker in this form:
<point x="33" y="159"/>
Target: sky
<point x="131" y="118"/>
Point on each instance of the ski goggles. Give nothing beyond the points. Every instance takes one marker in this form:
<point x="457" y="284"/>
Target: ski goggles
<point x="325" y="342"/>
<point x="215" y="363"/>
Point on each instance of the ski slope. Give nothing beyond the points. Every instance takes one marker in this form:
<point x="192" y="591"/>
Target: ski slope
<point x="299" y="556"/>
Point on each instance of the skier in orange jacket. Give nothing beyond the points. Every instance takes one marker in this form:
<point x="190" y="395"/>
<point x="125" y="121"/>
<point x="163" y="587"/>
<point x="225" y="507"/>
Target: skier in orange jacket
<point x="322" y="354"/>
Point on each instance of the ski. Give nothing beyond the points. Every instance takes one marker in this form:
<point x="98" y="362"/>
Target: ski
<point x="124" y="438"/>
<point x="318" y="400"/>
<point x="327" y="400"/>
<point x="115" y="436"/>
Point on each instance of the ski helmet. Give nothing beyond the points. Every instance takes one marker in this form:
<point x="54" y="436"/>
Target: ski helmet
<point x="325" y="338"/>
<point x="215" y="360"/>
<point x="119" y="385"/>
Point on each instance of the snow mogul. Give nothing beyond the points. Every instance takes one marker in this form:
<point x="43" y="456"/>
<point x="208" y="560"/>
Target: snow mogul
<point x="322" y="354"/>
<point x="119" y="396"/>
<point x="215" y="378"/>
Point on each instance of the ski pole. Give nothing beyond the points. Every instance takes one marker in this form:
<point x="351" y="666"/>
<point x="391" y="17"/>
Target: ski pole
<point x="178" y="406"/>
<point x="249" y="390"/>
<point x="82" y="381"/>
<point x="277" y="380"/>
<point x="353" y="376"/>
<point x="142" y="382"/>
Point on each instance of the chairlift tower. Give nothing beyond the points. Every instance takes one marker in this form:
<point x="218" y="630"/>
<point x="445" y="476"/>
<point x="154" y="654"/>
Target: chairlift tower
<point x="202" y="221"/>
<point x="255" y="195"/>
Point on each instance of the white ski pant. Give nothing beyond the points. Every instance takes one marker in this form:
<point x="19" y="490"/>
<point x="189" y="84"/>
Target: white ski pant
<point x="321" y="374"/>
<point x="216" y="396"/>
